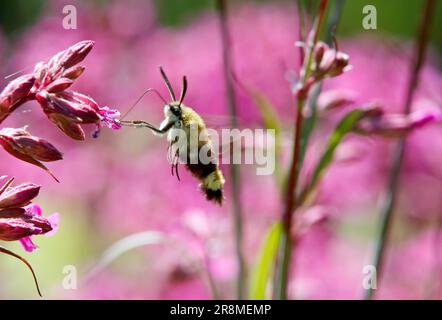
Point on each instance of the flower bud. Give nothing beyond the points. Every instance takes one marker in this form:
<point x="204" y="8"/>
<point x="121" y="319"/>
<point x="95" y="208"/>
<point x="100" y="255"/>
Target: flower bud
<point x="77" y="53"/>
<point x="73" y="72"/>
<point x="20" y="144"/>
<point x="15" y="229"/>
<point x="40" y="72"/>
<point x="67" y="106"/>
<point x="14" y="92"/>
<point x="340" y="64"/>
<point x="69" y="57"/>
<point x="320" y="49"/>
<point x="59" y="85"/>
<point x="23" y="142"/>
<point x="66" y="125"/>
<point x="80" y="98"/>
<point x="18" y="196"/>
<point x="18" y="223"/>
<point x="395" y="125"/>
<point x="329" y="62"/>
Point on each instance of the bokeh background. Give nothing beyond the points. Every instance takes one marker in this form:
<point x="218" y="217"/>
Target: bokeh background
<point x="120" y="184"/>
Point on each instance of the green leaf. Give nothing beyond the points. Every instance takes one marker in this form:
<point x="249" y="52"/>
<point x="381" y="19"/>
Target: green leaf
<point x="264" y="266"/>
<point x="344" y="126"/>
<point x="271" y="121"/>
<point x="268" y="111"/>
<point x="309" y="124"/>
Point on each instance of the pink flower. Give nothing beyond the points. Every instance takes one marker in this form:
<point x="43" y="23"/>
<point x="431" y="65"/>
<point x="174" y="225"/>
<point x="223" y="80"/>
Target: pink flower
<point x="48" y="85"/>
<point x="36" y="213"/>
<point x="329" y="62"/>
<point x="395" y="125"/>
<point x="68" y="109"/>
<point x="19" y="220"/>
<point x="108" y="117"/>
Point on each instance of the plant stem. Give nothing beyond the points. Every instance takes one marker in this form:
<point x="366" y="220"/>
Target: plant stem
<point x="393" y="182"/>
<point x="12" y="254"/>
<point x="210" y="279"/>
<point x="234" y="169"/>
<point x="285" y="249"/>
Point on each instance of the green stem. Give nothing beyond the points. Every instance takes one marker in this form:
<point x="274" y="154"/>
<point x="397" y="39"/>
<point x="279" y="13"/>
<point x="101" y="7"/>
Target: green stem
<point x="393" y="182"/>
<point x="234" y="169"/>
<point x="12" y="254"/>
<point x="210" y="279"/>
<point x="285" y="249"/>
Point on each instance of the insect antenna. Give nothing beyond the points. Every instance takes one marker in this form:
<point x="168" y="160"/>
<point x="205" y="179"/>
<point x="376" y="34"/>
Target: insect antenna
<point x="169" y="86"/>
<point x="183" y="90"/>
<point x="141" y="97"/>
<point x="14" y="74"/>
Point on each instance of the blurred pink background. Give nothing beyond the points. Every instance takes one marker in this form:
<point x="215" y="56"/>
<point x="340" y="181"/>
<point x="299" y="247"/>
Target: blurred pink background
<point x="120" y="183"/>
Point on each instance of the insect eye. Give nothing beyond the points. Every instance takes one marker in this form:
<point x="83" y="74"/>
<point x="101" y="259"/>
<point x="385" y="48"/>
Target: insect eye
<point x="175" y="110"/>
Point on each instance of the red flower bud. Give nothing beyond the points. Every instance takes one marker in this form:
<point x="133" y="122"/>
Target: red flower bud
<point x="320" y="49"/>
<point x="77" y="53"/>
<point x="395" y="125"/>
<point x="329" y="62"/>
<point x="22" y="141"/>
<point x="18" y="196"/>
<point x="20" y="144"/>
<point x="80" y="98"/>
<point x="59" y="85"/>
<point x="340" y="64"/>
<point x="66" y="125"/>
<point x="67" y="106"/>
<point x="17" y="90"/>
<point x="73" y="72"/>
<point x="69" y="57"/>
<point x="18" y="223"/>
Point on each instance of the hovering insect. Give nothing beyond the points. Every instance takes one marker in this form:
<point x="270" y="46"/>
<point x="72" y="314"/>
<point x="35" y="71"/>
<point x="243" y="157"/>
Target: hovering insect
<point x="180" y="117"/>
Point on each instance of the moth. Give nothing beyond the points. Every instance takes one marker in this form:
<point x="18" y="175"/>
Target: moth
<point x="179" y="117"/>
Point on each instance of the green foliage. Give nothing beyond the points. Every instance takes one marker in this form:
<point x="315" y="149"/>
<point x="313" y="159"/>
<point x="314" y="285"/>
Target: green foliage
<point x="264" y="265"/>
<point x="15" y="16"/>
<point x="308" y="124"/>
<point x="394" y="17"/>
<point x="344" y="126"/>
<point x="271" y="121"/>
<point x="175" y="12"/>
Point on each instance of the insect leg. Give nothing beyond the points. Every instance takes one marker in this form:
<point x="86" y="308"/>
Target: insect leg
<point x="144" y="124"/>
<point x="169" y="153"/>
<point x="174" y="166"/>
<point x="176" y="169"/>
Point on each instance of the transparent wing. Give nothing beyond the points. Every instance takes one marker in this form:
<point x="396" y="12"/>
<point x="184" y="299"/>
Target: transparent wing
<point x="227" y="139"/>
